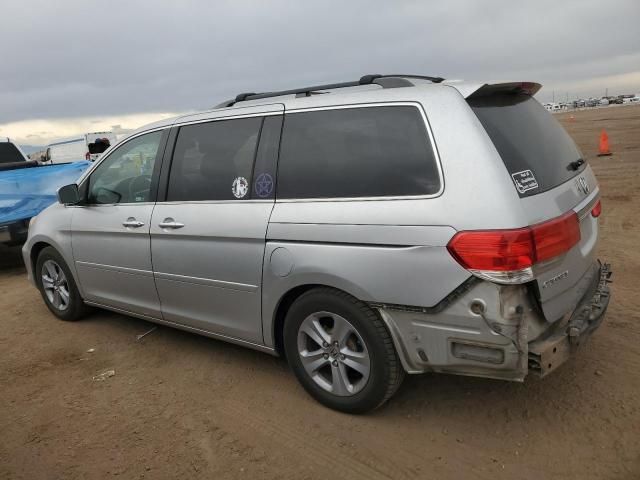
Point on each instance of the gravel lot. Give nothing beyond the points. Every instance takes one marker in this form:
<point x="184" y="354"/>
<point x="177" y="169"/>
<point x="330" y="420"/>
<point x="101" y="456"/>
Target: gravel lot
<point x="183" y="406"/>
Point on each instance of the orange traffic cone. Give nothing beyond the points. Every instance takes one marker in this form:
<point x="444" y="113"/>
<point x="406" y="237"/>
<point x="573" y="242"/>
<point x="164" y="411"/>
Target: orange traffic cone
<point x="603" y="150"/>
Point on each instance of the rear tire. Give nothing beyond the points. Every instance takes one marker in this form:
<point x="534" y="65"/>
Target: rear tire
<point x="58" y="287"/>
<point x="341" y="351"/>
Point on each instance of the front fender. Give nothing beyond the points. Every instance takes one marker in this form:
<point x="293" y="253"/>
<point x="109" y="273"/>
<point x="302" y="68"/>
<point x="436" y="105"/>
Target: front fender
<point x="51" y="227"/>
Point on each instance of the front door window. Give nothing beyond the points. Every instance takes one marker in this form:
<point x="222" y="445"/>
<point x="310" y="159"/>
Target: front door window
<point x="125" y="176"/>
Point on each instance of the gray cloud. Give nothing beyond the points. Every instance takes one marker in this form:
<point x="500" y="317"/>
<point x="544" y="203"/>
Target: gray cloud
<point x="82" y="58"/>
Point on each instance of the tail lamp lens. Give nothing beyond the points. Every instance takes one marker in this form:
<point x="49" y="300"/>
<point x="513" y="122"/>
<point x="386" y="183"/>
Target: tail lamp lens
<point x="556" y="236"/>
<point x="506" y="256"/>
<point x="496" y="250"/>
<point x="597" y="209"/>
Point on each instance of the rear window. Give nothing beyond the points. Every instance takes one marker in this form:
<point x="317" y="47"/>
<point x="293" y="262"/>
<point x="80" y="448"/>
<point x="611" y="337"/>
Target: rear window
<point x="536" y="150"/>
<point x="356" y="152"/>
<point x="9" y="153"/>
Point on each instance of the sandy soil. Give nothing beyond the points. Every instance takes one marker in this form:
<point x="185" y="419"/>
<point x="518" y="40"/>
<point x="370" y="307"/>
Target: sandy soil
<point x="183" y="406"/>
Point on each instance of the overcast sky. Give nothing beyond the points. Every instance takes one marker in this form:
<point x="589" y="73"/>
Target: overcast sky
<point x="73" y="66"/>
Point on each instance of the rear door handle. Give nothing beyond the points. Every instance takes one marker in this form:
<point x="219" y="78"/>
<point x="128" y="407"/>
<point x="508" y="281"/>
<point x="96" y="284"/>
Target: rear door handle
<point x="170" y="223"/>
<point x="131" y="222"/>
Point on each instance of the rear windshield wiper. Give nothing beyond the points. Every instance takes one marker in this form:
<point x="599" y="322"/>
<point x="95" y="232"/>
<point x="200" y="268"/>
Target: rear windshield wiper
<point x="576" y="165"/>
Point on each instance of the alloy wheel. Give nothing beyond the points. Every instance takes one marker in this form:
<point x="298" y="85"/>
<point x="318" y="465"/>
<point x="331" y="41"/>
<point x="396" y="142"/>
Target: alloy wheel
<point x="333" y="353"/>
<point x="55" y="285"/>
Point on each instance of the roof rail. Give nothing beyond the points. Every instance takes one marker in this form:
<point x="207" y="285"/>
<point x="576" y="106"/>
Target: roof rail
<point x="417" y="77"/>
<point x="306" y="91"/>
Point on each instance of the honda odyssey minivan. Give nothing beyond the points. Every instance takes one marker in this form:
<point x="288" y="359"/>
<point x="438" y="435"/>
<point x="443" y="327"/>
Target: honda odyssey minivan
<point x="362" y="230"/>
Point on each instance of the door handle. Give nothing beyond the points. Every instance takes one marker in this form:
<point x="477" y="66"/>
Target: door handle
<point x="170" y="223"/>
<point x="132" y="223"/>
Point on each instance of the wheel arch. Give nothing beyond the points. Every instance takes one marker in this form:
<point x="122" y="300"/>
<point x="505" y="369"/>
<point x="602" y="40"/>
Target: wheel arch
<point x="283" y="306"/>
<point x="39" y="243"/>
<point x="36" y="248"/>
<point x="281" y="310"/>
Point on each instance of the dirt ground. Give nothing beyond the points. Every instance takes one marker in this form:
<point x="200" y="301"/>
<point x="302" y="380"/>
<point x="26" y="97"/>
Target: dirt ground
<point x="183" y="406"/>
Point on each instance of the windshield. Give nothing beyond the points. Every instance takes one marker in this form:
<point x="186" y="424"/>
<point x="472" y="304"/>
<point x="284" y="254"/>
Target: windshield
<point x="538" y="153"/>
<point x="9" y="153"/>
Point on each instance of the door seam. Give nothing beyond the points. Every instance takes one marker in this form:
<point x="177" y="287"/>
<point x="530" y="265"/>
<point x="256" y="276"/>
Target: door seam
<point x="153" y="268"/>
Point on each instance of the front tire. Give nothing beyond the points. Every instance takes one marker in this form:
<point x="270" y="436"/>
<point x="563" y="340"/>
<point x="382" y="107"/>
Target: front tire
<point x="57" y="286"/>
<point x="341" y="351"/>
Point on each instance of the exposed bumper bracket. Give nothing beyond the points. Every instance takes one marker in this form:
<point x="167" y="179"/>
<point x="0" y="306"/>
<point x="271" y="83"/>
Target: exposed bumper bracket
<point x="590" y="314"/>
<point x="548" y="354"/>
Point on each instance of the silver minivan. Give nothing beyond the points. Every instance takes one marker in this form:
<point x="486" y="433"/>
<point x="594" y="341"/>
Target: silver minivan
<point x="363" y="230"/>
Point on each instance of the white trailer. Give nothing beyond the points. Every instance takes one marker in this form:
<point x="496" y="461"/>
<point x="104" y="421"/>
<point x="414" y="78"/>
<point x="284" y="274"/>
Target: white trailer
<point x="86" y="146"/>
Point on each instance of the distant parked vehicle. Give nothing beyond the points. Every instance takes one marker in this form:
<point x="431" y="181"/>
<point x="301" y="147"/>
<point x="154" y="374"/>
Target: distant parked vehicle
<point x="552" y="107"/>
<point x="11" y="156"/>
<point x="26" y="190"/>
<point x="86" y="146"/>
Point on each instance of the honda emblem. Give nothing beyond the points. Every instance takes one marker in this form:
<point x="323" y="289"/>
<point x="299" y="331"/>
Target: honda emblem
<point x="582" y="185"/>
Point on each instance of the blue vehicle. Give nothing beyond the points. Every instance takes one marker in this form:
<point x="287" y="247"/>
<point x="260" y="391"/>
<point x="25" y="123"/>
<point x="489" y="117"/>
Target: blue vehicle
<point x="27" y="188"/>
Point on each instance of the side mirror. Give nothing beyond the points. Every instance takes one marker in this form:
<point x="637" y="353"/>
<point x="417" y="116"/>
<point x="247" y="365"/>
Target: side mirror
<point x="69" y="195"/>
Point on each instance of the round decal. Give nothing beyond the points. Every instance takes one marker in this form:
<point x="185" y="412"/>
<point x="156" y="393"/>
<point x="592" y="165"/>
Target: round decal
<point x="264" y="185"/>
<point x="240" y="187"/>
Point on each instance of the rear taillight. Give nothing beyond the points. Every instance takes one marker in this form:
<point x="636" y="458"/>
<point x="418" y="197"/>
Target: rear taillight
<point x="506" y="256"/>
<point x="556" y="236"/>
<point x="597" y="209"/>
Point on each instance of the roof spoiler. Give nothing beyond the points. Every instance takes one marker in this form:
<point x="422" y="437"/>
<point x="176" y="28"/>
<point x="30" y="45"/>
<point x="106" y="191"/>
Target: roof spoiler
<point x="526" y="88"/>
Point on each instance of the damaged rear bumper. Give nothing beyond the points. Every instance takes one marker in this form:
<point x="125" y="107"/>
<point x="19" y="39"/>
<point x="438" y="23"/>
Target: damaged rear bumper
<point x="547" y="354"/>
<point x="485" y="329"/>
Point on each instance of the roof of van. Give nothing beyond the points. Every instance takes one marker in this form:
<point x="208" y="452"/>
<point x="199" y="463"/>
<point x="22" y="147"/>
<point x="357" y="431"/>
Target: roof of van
<point x="291" y="99"/>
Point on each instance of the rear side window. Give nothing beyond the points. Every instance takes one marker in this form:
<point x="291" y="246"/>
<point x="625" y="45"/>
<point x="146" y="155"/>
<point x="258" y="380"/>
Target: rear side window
<point x="536" y="150"/>
<point x="356" y="152"/>
<point x="9" y="153"/>
<point x="214" y="160"/>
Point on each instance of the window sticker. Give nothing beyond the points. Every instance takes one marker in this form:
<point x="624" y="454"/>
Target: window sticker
<point x="524" y="181"/>
<point x="263" y="185"/>
<point x="240" y="187"/>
